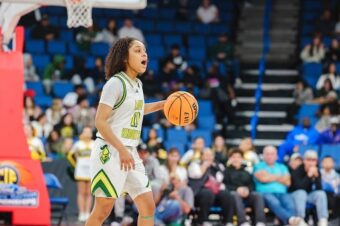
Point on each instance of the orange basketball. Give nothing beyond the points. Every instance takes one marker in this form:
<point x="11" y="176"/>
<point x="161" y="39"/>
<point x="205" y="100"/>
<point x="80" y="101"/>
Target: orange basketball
<point x="181" y="108"/>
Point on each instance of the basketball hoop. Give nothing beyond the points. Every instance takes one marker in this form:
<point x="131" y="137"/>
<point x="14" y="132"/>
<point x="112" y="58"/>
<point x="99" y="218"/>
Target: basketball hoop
<point x="79" y="13"/>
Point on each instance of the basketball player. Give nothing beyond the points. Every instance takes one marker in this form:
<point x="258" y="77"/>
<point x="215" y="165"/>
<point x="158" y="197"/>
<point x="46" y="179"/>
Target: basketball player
<point x="115" y="165"/>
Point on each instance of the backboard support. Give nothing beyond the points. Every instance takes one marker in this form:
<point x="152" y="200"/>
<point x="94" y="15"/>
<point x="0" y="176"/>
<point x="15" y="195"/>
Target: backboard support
<point x="12" y="10"/>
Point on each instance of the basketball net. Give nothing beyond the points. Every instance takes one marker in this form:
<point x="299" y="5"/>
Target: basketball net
<point x="79" y="13"/>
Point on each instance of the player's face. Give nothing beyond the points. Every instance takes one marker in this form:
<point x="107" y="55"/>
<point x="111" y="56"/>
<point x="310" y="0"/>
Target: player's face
<point x="138" y="59"/>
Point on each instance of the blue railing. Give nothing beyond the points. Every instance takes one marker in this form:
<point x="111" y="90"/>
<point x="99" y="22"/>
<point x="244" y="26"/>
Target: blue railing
<point x="262" y="66"/>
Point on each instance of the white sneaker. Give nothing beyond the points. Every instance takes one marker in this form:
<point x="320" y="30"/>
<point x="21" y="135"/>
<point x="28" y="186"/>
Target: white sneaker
<point x="294" y="221"/>
<point x="115" y="223"/>
<point x="127" y="220"/>
<point x="229" y="224"/>
<point x="82" y="217"/>
<point x="260" y="224"/>
<point x="323" y="222"/>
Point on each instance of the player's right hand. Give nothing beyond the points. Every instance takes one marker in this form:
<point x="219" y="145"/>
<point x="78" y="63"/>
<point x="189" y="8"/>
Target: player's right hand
<point x="127" y="162"/>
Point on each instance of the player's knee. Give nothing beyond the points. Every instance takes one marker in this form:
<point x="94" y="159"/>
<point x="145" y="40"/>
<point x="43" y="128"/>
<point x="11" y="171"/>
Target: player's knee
<point x="105" y="208"/>
<point x="149" y="209"/>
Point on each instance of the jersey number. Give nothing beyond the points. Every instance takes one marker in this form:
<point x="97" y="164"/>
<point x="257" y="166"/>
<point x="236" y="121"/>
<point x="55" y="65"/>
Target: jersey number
<point x="135" y="119"/>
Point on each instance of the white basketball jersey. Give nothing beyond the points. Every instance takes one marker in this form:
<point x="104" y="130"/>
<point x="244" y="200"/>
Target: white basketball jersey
<point x="128" y="111"/>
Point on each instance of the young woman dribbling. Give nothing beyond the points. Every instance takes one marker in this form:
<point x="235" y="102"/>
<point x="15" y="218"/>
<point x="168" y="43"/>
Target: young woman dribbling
<point x="115" y="165"/>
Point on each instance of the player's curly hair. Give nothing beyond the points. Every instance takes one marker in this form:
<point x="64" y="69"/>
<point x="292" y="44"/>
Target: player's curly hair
<point x="116" y="59"/>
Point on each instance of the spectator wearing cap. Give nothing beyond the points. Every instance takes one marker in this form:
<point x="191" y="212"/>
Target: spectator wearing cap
<point x="295" y="161"/>
<point x="272" y="180"/>
<point x="331" y="135"/>
<point x="306" y="188"/>
<point x="152" y="169"/>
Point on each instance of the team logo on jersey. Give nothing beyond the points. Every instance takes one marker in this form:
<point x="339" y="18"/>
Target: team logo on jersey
<point x="105" y="154"/>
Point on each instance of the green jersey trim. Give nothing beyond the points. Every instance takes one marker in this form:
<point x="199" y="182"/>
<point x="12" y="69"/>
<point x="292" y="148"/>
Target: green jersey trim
<point x="122" y="99"/>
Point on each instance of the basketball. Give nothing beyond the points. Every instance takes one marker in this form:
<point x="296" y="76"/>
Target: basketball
<point x="180" y="108"/>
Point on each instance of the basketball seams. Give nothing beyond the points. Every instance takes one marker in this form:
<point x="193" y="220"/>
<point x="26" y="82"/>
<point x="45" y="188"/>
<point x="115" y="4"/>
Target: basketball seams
<point x="171" y="104"/>
<point x="192" y="113"/>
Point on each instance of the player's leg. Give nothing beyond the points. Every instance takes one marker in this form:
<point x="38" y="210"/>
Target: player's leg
<point x="146" y="209"/>
<point x="101" y="210"/>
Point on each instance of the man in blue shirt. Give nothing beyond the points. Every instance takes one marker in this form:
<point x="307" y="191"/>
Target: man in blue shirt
<point x="302" y="134"/>
<point x="272" y="180"/>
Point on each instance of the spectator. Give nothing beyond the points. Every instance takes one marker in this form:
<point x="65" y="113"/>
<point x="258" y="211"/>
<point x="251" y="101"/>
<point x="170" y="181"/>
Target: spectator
<point x="220" y="150"/>
<point x="97" y="73"/>
<point x="272" y="180"/>
<point x="205" y="177"/>
<point x="331" y="184"/>
<point x="172" y="167"/>
<point x="324" y="121"/>
<point x="152" y="169"/>
<point x="128" y="30"/>
<point x="66" y="127"/>
<point x="314" y="52"/>
<point x="176" y="58"/>
<point x="306" y="187"/>
<point x="295" y="161"/>
<point x="54" y="71"/>
<point x="325" y="25"/>
<point x="174" y="202"/>
<point x="87" y="36"/>
<point x="31" y="111"/>
<point x="182" y="11"/>
<point x="70" y="100"/>
<point x="109" y="34"/>
<point x="332" y="75"/>
<point x="168" y="74"/>
<point x="302" y="134"/>
<point x="154" y="143"/>
<point x="35" y="145"/>
<point x="331" y="135"/>
<point x="55" y="144"/>
<point x="29" y="69"/>
<point x="240" y="183"/>
<point x="337" y="29"/>
<point x="42" y="127"/>
<point x="222" y="51"/>
<point x="83" y="114"/>
<point x="44" y="30"/>
<point x="80" y="157"/>
<point x="192" y="78"/>
<point x="326" y="95"/>
<point x="55" y="112"/>
<point x="302" y="94"/>
<point x="194" y="154"/>
<point x="207" y="13"/>
<point x="250" y="156"/>
<point x="333" y="53"/>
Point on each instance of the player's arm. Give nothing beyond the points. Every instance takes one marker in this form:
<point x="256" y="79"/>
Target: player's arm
<point x="152" y="107"/>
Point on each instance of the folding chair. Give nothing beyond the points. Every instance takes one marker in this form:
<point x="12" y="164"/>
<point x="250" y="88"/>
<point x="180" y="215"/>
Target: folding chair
<point x="58" y="203"/>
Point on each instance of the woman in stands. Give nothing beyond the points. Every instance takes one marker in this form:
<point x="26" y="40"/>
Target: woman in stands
<point x="115" y="165"/>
